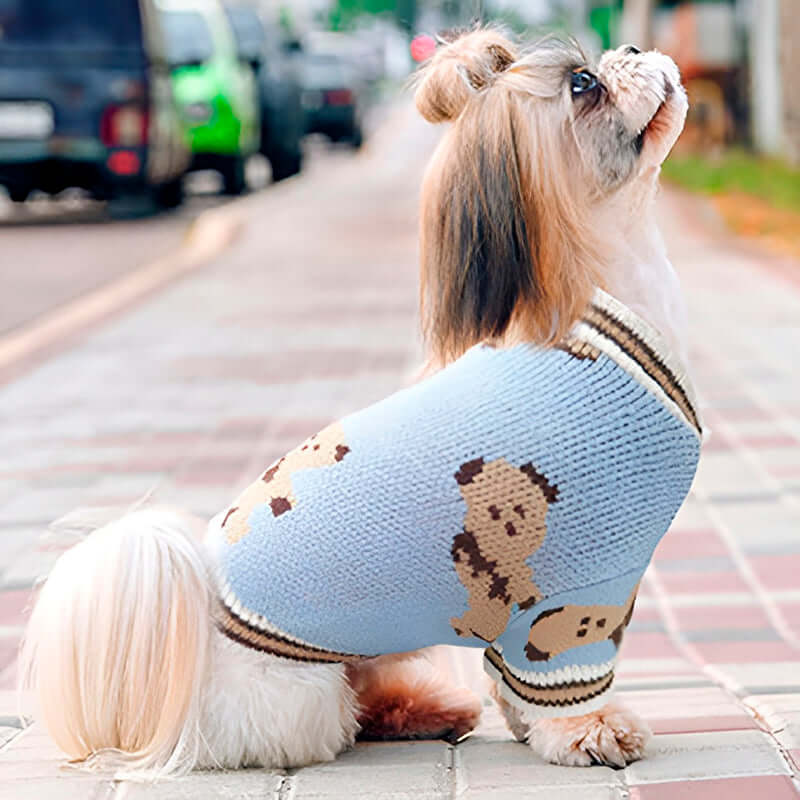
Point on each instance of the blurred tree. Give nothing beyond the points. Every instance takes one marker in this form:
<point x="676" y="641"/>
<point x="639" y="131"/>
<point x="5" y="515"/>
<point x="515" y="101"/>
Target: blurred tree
<point x="344" y="12"/>
<point x="789" y="61"/>
<point x="636" y="23"/>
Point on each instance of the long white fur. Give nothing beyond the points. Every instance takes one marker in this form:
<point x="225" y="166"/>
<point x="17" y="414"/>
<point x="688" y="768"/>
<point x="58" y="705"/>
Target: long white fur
<point x="129" y="671"/>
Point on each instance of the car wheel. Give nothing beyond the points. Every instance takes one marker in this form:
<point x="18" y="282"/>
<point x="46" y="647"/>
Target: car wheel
<point x="356" y="138"/>
<point x="170" y="194"/>
<point x="18" y="194"/>
<point x="233" y="175"/>
<point x="284" y="165"/>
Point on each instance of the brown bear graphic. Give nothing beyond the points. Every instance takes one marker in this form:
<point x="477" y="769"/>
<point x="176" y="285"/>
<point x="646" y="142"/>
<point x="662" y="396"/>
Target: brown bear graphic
<point x="504" y="524"/>
<point x="275" y="485"/>
<point x="560" y="629"/>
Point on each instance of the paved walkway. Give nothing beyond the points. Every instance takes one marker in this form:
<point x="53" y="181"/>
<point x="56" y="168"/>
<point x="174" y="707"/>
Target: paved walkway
<point x="312" y="314"/>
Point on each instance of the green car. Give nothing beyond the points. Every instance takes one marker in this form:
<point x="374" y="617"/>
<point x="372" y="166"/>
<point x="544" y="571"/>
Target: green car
<point x="215" y="90"/>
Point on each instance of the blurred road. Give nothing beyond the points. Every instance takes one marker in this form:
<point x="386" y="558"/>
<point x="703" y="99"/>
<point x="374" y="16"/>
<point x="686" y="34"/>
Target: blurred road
<point x="72" y="245"/>
<point x="310" y="314"/>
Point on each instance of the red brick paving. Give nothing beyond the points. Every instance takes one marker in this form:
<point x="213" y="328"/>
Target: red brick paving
<point x="768" y="787"/>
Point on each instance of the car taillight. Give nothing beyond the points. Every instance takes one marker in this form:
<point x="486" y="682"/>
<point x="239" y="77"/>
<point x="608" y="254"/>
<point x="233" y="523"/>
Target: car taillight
<point x="124" y="126"/>
<point x="124" y="162"/>
<point x="339" y="97"/>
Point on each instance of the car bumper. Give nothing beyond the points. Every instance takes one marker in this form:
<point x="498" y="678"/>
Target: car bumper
<point x="58" y="163"/>
<point x="331" y="119"/>
<point x="57" y="147"/>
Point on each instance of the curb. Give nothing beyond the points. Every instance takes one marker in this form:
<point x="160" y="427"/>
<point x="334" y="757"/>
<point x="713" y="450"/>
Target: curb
<point x="208" y="235"/>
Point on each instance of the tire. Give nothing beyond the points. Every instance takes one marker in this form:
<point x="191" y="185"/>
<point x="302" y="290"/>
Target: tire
<point x="356" y="138"/>
<point x="233" y="176"/>
<point x="285" y="165"/>
<point x="170" y="194"/>
<point x="18" y="194"/>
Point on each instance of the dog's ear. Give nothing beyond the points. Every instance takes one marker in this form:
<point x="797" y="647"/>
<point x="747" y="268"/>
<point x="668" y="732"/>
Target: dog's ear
<point x="464" y="63"/>
<point x="550" y="491"/>
<point x="478" y="226"/>
<point x="467" y="471"/>
<point x="508" y="241"/>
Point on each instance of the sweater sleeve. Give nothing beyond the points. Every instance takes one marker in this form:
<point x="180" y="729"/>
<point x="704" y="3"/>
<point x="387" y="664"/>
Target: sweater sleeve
<point x="557" y="658"/>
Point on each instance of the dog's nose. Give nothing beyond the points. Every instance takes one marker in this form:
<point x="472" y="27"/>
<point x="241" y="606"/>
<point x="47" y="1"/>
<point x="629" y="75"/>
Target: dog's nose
<point x="631" y="50"/>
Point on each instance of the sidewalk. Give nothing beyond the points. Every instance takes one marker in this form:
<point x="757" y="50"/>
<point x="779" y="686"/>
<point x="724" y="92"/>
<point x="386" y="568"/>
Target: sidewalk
<point x="311" y="314"/>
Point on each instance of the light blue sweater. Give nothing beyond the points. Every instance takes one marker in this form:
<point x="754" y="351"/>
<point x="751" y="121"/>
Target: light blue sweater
<point x="511" y="502"/>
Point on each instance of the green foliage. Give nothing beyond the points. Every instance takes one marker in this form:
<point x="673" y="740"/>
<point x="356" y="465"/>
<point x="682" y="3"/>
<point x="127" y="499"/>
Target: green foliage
<point x="345" y="12"/>
<point x="738" y="171"/>
<point x="511" y="19"/>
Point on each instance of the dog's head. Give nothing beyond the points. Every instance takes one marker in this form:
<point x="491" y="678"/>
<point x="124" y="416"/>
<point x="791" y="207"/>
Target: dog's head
<point x="512" y="198"/>
<point x="504" y="502"/>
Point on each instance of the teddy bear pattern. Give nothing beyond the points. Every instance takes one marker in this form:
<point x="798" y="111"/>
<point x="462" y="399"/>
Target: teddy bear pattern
<point x="504" y="524"/>
<point x="274" y="487"/>
<point x="560" y="629"/>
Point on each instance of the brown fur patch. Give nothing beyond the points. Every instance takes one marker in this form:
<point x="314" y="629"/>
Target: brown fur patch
<point x="279" y="505"/>
<point x="271" y="472"/>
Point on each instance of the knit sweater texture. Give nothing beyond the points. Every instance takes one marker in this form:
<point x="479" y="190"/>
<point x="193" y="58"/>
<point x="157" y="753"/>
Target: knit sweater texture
<point x="511" y="502"/>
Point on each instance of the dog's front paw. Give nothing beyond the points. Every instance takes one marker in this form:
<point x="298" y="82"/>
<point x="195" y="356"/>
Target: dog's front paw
<point x="613" y="736"/>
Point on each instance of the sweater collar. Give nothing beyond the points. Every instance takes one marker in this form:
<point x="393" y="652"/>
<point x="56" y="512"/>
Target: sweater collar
<point x="610" y="327"/>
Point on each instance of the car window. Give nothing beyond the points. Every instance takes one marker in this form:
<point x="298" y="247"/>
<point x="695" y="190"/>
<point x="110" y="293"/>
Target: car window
<point x="247" y="30"/>
<point x="188" y="38"/>
<point x="70" y="23"/>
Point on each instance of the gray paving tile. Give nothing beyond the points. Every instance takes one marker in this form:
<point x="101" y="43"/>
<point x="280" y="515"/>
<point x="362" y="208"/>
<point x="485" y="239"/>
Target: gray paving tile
<point x="492" y="765"/>
<point x="246" y="784"/>
<point x="60" y="787"/>
<point x="698" y="756"/>
<point x="567" y="792"/>
<point x="781" y="714"/>
<point x="7" y="733"/>
<point x="380" y="770"/>
<point x="776" y="677"/>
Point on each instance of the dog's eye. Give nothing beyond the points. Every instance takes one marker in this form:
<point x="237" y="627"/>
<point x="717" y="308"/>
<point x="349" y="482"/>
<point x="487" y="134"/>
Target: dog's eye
<point x="583" y="81"/>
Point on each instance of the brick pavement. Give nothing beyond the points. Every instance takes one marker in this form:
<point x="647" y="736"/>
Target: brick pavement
<point x="312" y="314"/>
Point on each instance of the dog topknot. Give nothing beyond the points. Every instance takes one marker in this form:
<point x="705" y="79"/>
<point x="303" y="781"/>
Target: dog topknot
<point x="458" y="69"/>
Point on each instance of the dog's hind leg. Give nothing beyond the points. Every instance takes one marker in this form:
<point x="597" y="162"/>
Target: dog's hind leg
<point x="405" y="697"/>
<point x="261" y="710"/>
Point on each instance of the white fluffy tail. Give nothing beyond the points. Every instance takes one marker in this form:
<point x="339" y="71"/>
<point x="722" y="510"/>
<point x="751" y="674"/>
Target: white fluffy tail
<point x="118" y="643"/>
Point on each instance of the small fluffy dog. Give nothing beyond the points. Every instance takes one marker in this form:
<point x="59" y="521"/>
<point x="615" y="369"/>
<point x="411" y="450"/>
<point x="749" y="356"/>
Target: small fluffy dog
<point x="491" y="504"/>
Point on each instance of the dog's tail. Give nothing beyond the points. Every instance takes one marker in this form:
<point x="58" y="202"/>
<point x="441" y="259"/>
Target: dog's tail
<point x="118" y="643"/>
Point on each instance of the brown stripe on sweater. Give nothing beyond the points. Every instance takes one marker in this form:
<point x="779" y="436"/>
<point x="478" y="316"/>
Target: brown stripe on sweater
<point x="579" y="349"/>
<point x="560" y="696"/>
<point x="637" y="349"/>
<point x="238" y="630"/>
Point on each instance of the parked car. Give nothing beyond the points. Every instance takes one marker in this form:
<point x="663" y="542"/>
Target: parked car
<point x="86" y="101"/>
<point x="282" y="117"/>
<point x="215" y="90"/>
<point x="332" y="98"/>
